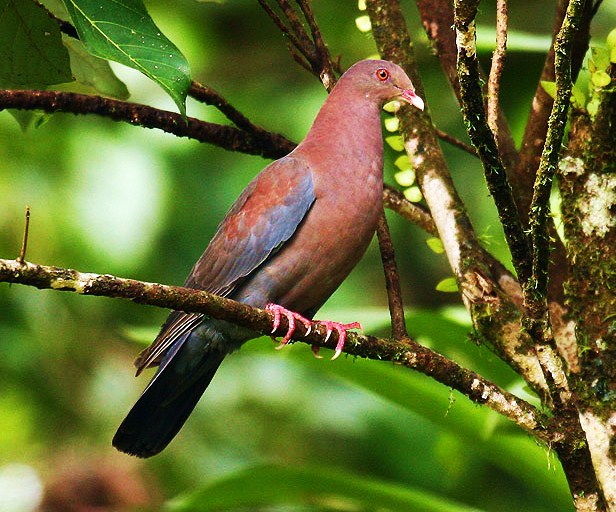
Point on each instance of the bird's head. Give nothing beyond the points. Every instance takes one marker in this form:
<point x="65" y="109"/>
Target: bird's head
<point x="382" y="81"/>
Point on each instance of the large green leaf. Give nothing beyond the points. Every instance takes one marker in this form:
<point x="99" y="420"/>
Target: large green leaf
<point x="94" y="72"/>
<point x="123" y="31"/>
<point x="31" y="50"/>
<point x="483" y="431"/>
<point x="324" y="488"/>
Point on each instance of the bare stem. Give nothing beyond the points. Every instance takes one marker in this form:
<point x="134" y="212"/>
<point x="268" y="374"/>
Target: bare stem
<point x="24" y="244"/>
<point x="536" y="287"/>
<point x="444" y="136"/>
<point x="392" y="280"/>
<point x="496" y="69"/>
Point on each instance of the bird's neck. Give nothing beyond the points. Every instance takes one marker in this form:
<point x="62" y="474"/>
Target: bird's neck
<point x="347" y="124"/>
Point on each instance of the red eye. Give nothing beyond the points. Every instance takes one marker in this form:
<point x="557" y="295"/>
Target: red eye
<point x="382" y="74"/>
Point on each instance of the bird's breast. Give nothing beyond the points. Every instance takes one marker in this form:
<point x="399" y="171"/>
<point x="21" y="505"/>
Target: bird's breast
<point x="329" y="242"/>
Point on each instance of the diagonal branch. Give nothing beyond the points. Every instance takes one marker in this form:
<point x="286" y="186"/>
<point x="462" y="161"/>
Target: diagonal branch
<point x="314" y="56"/>
<point x="264" y="143"/>
<point x="411" y="354"/>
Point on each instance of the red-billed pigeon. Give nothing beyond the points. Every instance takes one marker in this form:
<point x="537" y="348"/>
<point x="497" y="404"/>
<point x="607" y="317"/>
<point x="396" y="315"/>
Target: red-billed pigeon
<point x="287" y="243"/>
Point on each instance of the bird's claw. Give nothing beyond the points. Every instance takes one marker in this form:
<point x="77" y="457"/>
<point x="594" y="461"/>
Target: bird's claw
<point x="341" y="329"/>
<point x="291" y="316"/>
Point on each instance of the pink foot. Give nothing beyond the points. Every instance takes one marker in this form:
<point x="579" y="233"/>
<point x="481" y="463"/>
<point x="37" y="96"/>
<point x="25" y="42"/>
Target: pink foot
<point x="341" y="329"/>
<point x="291" y="316"/>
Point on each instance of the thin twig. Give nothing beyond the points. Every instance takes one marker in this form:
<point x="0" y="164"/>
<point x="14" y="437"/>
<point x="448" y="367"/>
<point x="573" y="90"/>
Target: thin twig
<point x="209" y="96"/>
<point x="392" y="280"/>
<point x="24" y="244"/>
<point x="293" y="38"/>
<point x="310" y="53"/>
<point x="496" y="69"/>
<point x="417" y="214"/>
<point x="326" y="65"/>
<point x="410" y="355"/>
<point x="444" y="136"/>
<point x="437" y="20"/>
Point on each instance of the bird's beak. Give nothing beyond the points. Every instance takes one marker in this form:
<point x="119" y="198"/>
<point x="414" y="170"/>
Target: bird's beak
<point x="409" y="96"/>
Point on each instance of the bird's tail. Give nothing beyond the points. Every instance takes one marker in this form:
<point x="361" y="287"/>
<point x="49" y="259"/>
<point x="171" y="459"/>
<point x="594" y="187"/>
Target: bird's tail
<point x="165" y="404"/>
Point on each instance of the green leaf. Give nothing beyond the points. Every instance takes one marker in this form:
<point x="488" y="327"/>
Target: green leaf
<point x="550" y="88"/>
<point x="578" y="98"/>
<point x="392" y="106"/>
<point x="396" y="142"/>
<point x="363" y="23"/>
<point x="403" y="163"/>
<point x="31" y="50"/>
<point x="447" y="285"/>
<point x="592" y="107"/>
<point x="405" y="178"/>
<point x="613" y="55"/>
<point x="23" y="117"/>
<point x="600" y="57"/>
<point x="436" y="245"/>
<point x="601" y="79"/>
<point x="392" y="124"/>
<point x="611" y="39"/>
<point x="413" y="194"/>
<point x="123" y="31"/>
<point x="94" y="72"/>
<point x="322" y="488"/>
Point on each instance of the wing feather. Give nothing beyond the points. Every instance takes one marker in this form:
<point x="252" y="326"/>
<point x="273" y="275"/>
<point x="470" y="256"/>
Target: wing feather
<point x="261" y="220"/>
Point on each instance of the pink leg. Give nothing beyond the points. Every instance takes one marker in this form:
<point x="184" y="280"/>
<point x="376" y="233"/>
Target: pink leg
<point x="291" y="316"/>
<point x="341" y="329"/>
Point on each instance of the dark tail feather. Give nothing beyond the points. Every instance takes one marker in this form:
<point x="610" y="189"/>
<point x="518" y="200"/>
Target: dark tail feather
<point x="161" y="410"/>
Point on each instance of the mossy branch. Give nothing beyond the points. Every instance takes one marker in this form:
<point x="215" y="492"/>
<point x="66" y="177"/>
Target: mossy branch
<point x="473" y="109"/>
<point x="404" y="352"/>
<point x="536" y="287"/>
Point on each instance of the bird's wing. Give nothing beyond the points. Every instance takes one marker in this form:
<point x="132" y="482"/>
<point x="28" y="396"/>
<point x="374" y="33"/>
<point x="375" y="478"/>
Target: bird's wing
<point x="261" y="220"/>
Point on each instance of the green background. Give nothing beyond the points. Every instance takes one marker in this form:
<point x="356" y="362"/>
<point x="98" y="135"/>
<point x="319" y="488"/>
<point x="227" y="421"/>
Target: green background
<point x="277" y="430"/>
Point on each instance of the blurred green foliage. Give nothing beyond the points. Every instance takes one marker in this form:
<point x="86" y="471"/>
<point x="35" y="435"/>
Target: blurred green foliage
<point x="304" y="434"/>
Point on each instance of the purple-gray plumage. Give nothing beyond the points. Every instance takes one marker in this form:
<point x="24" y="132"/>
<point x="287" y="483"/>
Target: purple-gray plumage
<point x="287" y="243"/>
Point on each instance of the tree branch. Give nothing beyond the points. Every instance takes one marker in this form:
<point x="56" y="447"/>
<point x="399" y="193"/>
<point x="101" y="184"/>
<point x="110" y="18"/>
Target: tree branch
<point x="395" y="200"/>
<point x="537" y="123"/>
<point x="444" y="136"/>
<point x="494" y="312"/>
<point x="536" y="288"/>
<point x="483" y="139"/>
<point x="266" y="144"/>
<point x="437" y="19"/>
<point x="410" y="355"/>
<point x="311" y="47"/>
<point x="496" y="70"/>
